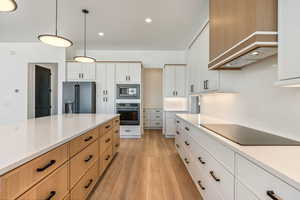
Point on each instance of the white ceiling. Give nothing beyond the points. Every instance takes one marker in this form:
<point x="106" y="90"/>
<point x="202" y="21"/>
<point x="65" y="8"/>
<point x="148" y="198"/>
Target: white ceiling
<point x="175" y="22"/>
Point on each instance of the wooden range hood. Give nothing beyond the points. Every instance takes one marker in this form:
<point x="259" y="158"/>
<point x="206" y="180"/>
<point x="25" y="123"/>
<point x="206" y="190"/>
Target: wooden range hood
<point x="242" y="32"/>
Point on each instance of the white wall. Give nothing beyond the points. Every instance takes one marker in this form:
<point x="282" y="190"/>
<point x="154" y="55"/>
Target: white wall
<point x="15" y="58"/>
<point x="150" y="59"/>
<point x="153" y="88"/>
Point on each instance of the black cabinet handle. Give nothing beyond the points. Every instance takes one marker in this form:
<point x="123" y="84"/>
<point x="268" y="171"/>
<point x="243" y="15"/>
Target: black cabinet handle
<point x="89" y="158"/>
<point x="214" y="176"/>
<point x="272" y="195"/>
<point x="117" y="131"/>
<point x="88" y="139"/>
<point x="177" y="121"/>
<point x="107" y="158"/>
<point x="51" y="194"/>
<point x="186" y="143"/>
<point x="108" y="126"/>
<point x="117" y="145"/>
<point x="177" y="132"/>
<point x="52" y="162"/>
<point x="89" y="184"/>
<point x="201" y="161"/>
<point x="201" y="186"/>
<point x="106" y="141"/>
<point x="177" y="145"/>
<point x="186" y="161"/>
<point x="186" y="128"/>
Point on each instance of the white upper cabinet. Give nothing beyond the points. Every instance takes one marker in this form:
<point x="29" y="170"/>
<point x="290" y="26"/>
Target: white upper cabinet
<point x="128" y="73"/>
<point x="201" y="79"/>
<point x="80" y="71"/>
<point x="289" y="42"/>
<point x="175" y="81"/>
<point x="105" y="80"/>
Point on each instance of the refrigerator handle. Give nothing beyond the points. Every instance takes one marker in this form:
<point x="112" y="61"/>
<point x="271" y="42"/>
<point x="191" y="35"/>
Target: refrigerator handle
<point x="77" y="98"/>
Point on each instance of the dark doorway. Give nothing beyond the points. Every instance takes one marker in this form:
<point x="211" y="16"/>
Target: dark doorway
<point x="42" y="91"/>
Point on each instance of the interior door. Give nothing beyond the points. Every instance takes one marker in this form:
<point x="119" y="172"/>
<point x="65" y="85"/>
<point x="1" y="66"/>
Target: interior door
<point x="134" y="72"/>
<point x="180" y="80"/>
<point x="42" y="91"/>
<point x="122" y="72"/>
<point x="169" y="81"/>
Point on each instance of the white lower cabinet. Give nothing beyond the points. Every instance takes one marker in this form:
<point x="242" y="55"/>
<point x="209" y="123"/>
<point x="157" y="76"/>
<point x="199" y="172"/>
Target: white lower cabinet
<point x="130" y="131"/>
<point x="153" y="118"/>
<point x="223" y="174"/>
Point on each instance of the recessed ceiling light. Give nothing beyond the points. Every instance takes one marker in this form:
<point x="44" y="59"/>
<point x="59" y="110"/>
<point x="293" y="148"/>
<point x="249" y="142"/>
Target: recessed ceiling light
<point x="148" y="20"/>
<point x="101" y="34"/>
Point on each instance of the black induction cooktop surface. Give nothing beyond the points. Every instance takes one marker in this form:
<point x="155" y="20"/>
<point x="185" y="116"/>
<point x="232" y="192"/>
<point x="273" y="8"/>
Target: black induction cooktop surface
<point x="249" y="137"/>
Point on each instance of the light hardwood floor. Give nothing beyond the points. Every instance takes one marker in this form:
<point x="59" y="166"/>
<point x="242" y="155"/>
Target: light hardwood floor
<point x="146" y="169"/>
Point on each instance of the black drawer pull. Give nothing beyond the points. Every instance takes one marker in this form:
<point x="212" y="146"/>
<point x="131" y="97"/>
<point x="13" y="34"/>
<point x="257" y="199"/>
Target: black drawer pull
<point x="107" y="127"/>
<point x="51" y="194"/>
<point x="107" y="158"/>
<point x="89" y="158"/>
<point x="214" y="176"/>
<point x="186" y="161"/>
<point x="88" y="139"/>
<point x="89" y="184"/>
<point x="177" y="132"/>
<point x="117" y="131"/>
<point x="186" y="143"/>
<point x="272" y="195"/>
<point x="177" y="145"/>
<point x="106" y="141"/>
<point x="201" y="161"/>
<point x="117" y="145"/>
<point x="52" y="162"/>
<point x="177" y="122"/>
<point x="117" y="121"/>
<point x="186" y="128"/>
<point x="201" y="186"/>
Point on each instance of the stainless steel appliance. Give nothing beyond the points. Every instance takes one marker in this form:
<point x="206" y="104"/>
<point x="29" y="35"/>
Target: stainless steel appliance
<point x="249" y="137"/>
<point x="79" y="97"/>
<point x="129" y="113"/>
<point x="195" y="104"/>
<point x="128" y="91"/>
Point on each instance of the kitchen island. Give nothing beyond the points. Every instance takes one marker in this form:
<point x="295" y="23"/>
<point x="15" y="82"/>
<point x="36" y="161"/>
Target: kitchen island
<point x="59" y="157"/>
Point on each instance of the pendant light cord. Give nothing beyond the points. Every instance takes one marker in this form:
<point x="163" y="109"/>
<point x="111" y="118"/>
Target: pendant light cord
<point x="56" y="11"/>
<point x="85" y="34"/>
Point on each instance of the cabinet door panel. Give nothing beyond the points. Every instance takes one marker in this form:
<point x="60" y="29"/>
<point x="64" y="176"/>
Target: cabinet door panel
<point x="180" y="80"/>
<point x="88" y="70"/>
<point x="134" y="72"/>
<point x="121" y="72"/>
<point x="110" y="88"/>
<point x="101" y="87"/>
<point x="73" y="71"/>
<point x="169" y="79"/>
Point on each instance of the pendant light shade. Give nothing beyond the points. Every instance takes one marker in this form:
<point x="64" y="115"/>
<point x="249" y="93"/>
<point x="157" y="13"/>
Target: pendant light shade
<point x="8" y="5"/>
<point x="84" y="58"/>
<point x="55" y="40"/>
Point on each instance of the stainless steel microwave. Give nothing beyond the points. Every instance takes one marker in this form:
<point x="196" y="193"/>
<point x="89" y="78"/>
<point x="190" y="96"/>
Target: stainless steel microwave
<point x="128" y="91"/>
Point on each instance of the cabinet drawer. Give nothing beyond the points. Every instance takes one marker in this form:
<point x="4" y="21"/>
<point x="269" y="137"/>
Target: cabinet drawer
<point x="263" y="182"/>
<point x="242" y="193"/>
<point x="105" y="159"/>
<point x="82" y="162"/>
<point x="219" y="151"/>
<point x="116" y="121"/>
<point x="156" y="117"/>
<point x="82" y="141"/>
<point x="106" y="127"/>
<point x="116" y="140"/>
<point x="19" y="180"/>
<point x="106" y="141"/>
<point x="156" y="124"/>
<point x="200" y="155"/>
<point x="55" y="186"/>
<point x="86" y="184"/>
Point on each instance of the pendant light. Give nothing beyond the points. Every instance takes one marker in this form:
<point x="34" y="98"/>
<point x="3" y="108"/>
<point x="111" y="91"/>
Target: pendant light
<point x="8" y="5"/>
<point x="84" y="58"/>
<point x="55" y="40"/>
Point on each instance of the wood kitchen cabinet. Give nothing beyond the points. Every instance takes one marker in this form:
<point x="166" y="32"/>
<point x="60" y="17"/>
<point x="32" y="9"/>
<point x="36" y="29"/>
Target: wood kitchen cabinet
<point x="128" y="73"/>
<point x="80" y="71"/>
<point x="105" y="82"/>
<point x="175" y="80"/>
<point x="238" y="28"/>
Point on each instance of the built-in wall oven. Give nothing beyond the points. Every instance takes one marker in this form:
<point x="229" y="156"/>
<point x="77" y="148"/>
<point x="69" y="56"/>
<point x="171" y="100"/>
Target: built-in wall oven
<point x="128" y="91"/>
<point x="129" y="113"/>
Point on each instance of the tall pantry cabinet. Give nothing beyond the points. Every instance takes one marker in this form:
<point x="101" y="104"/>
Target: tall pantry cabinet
<point x="105" y="84"/>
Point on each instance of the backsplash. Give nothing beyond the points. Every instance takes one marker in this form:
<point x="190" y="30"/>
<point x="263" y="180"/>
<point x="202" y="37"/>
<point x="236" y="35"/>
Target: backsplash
<point x="258" y="103"/>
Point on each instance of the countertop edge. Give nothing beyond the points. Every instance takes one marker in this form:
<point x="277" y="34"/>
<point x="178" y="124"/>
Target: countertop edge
<point x="22" y="161"/>
<point x="231" y="145"/>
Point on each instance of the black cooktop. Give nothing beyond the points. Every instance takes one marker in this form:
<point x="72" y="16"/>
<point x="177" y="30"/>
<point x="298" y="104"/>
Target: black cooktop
<point x="249" y="137"/>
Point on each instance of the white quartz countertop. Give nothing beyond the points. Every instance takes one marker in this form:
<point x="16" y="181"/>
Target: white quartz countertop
<point x="281" y="161"/>
<point x="21" y="142"/>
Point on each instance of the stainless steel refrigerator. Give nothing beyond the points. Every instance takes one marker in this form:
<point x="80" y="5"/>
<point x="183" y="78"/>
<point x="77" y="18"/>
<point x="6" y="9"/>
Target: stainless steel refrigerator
<point x="79" y="97"/>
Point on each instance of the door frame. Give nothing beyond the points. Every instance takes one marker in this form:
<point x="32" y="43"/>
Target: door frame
<point x="31" y="88"/>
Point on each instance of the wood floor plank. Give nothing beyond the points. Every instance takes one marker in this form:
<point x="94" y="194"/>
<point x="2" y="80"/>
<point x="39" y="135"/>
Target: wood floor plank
<point x="146" y="169"/>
